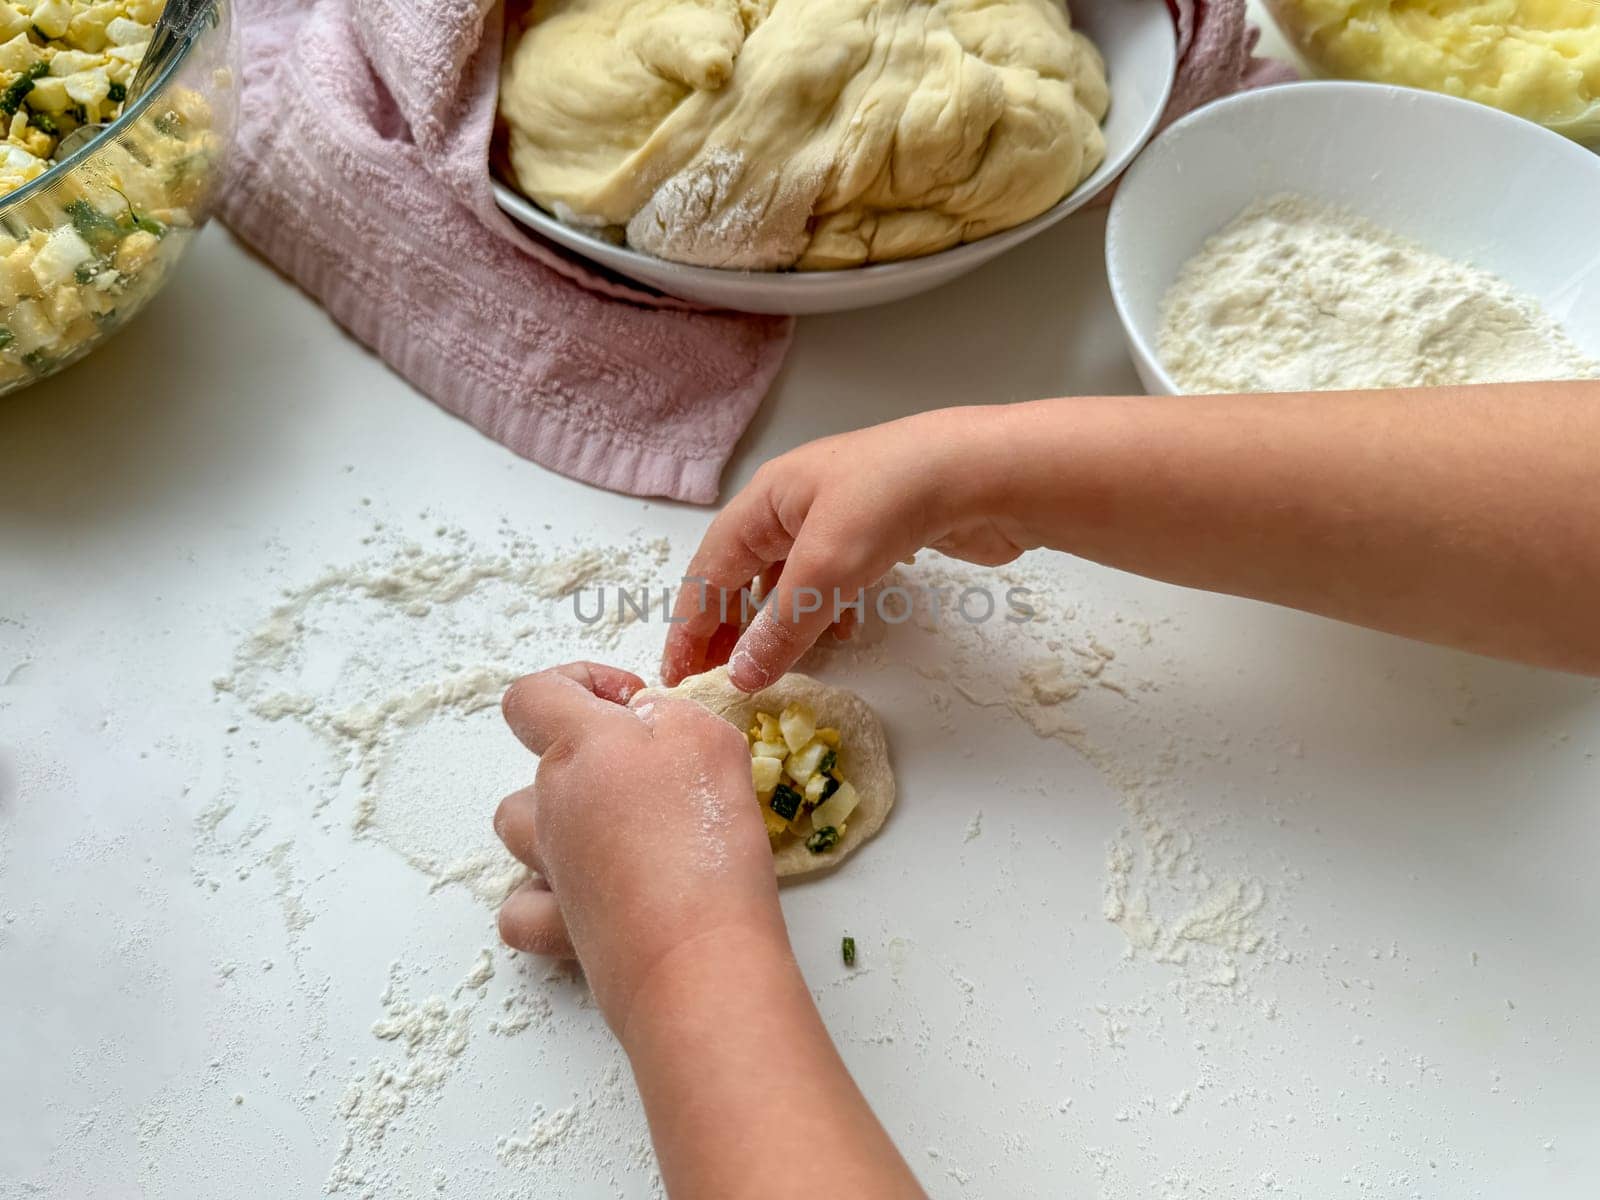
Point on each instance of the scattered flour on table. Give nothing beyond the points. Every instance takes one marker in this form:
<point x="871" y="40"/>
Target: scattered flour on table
<point x="393" y="1109"/>
<point x="1162" y="889"/>
<point x="1297" y="295"/>
<point x="432" y="1034"/>
<point x="398" y="664"/>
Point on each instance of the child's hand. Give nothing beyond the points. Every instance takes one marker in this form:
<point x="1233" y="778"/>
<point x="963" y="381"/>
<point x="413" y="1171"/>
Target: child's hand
<point x="642" y="824"/>
<point x="837" y="515"/>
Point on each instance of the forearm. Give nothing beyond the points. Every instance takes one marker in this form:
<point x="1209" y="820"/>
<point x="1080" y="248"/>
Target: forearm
<point x="1464" y="516"/>
<point x="745" y="1092"/>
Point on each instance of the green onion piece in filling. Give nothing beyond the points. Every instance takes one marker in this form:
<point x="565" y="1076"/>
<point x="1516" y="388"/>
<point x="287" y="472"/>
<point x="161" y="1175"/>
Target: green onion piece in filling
<point x="848" y="948"/>
<point x="785" y="801"/>
<point x="11" y="98"/>
<point x="829" y="788"/>
<point x="117" y="94"/>
<point x="830" y="760"/>
<point x="823" y="840"/>
<point x="93" y="226"/>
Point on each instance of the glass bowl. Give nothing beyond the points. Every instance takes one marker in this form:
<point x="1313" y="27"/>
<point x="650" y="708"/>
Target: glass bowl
<point x="85" y="245"/>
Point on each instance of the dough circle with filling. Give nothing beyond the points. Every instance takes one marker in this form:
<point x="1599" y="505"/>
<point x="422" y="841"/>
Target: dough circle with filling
<point x="863" y="751"/>
<point x="809" y="134"/>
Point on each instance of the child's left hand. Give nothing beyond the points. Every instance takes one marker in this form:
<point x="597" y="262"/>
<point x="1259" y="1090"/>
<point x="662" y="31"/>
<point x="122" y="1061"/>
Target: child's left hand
<point x="642" y="824"/>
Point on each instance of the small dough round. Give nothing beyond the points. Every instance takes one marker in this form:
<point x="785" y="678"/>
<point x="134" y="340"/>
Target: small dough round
<point x="808" y="134"/>
<point x="863" y="752"/>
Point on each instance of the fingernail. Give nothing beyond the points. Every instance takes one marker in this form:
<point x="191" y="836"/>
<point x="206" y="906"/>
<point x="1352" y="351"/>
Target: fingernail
<point x="745" y="673"/>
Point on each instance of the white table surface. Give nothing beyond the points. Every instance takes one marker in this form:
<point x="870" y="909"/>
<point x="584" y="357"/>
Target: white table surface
<point x="183" y="1009"/>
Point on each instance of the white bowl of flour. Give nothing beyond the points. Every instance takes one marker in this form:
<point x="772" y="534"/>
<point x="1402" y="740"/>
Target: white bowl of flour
<point x="1136" y="39"/>
<point x="1370" y="236"/>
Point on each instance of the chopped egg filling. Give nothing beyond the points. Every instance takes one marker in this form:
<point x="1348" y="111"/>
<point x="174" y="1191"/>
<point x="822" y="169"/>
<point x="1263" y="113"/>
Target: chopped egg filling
<point x="82" y="256"/>
<point x="63" y="63"/>
<point x="802" y="791"/>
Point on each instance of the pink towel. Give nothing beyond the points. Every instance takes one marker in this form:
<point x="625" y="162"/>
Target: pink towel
<point x="1216" y="55"/>
<point x="362" y="174"/>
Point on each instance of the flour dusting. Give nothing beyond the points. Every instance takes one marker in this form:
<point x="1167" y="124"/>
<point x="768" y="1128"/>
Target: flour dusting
<point x="1297" y="295"/>
<point x="398" y="665"/>
<point x="706" y="215"/>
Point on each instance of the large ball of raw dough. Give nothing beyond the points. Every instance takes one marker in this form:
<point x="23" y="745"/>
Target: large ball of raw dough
<point x="766" y="134"/>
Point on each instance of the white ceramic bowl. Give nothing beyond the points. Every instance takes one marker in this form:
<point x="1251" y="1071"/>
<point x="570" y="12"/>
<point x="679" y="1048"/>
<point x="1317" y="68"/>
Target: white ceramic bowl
<point x="1465" y="181"/>
<point x="1136" y="37"/>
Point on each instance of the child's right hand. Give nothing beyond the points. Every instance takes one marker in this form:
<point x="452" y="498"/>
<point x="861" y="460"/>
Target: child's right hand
<point x="836" y="515"/>
<point x="643" y="826"/>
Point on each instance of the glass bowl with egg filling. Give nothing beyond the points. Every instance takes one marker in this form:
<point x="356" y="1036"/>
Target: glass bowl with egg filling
<point x="1538" y="59"/>
<point x="85" y="242"/>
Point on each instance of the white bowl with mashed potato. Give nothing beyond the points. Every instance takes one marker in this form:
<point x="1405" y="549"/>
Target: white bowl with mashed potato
<point x="1538" y="59"/>
<point x="1134" y="37"/>
<point x="1466" y="182"/>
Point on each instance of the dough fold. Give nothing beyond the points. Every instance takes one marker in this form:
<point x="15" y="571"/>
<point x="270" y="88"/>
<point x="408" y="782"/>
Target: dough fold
<point x="863" y="751"/>
<point x="807" y="134"/>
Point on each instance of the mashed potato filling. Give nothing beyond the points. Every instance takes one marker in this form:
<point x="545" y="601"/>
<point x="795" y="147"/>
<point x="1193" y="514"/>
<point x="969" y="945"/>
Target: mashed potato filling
<point x="1539" y="59"/>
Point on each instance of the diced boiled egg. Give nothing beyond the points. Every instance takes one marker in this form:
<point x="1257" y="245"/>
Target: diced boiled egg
<point x="89" y="88"/>
<point x="767" y="774"/>
<point x="836" y="809"/>
<point x="18" y="54"/>
<point x="777" y="750"/>
<point x="803" y="764"/>
<point x="65" y="306"/>
<point x="122" y="32"/>
<point x="776" y="825"/>
<point x="11" y="22"/>
<point x="51" y="17"/>
<point x="60" y="257"/>
<point x="70" y="62"/>
<point x="128" y="54"/>
<point x="29" y="326"/>
<point x="49" y="94"/>
<point x="798" y="724"/>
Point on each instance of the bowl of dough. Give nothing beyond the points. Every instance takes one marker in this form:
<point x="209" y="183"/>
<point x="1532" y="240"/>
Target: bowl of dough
<point x="1538" y="59"/>
<point x="87" y="240"/>
<point x="782" y="156"/>
<point x="1245" y="257"/>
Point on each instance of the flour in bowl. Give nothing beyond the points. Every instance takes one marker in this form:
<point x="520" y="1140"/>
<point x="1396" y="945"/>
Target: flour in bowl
<point x="1297" y="295"/>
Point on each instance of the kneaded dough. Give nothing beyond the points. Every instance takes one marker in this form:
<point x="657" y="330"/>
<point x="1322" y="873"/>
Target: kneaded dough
<point x="863" y="752"/>
<point x="813" y="134"/>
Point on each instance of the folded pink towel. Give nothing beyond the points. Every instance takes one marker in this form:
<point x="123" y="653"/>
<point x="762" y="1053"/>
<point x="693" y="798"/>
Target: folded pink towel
<point x="362" y="174"/>
<point x="1216" y="55"/>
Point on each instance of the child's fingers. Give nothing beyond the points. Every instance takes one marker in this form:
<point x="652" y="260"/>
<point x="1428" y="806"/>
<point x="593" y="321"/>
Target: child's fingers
<point x="513" y="825"/>
<point x="721" y="645"/>
<point x="822" y="573"/>
<point x="742" y="541"/>
<point x="530" y="920"/>
<point x="542" y="708"/>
